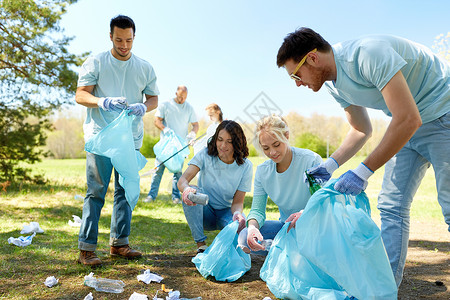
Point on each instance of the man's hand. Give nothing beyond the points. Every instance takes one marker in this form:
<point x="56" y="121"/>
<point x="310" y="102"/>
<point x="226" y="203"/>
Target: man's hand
<point x="237" y="215"/>
<point x="353" y="182"/>
<point x="137" y="109"/>
<point x="190" y="137"/>
<point x="322" y="172"/>
<point x="253" y="237"/>
<point x="166" y="130"/>
<point x="116" y="104"/>
<point x="293" y="219"/>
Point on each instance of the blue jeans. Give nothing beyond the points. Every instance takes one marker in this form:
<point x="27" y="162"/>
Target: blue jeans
<point x="98" y="174"/>
<point x="403" y="174"/>
<point x="156" y="181"/>
<point x="269" y="230"/>
<point x="201" y="218"/>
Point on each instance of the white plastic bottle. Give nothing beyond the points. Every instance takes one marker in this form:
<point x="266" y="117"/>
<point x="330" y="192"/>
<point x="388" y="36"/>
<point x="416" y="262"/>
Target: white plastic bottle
<point x="104" y="284"/>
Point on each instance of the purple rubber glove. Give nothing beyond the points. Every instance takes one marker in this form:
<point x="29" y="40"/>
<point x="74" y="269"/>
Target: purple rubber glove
<point x="137" y="109"/>
<point x="353" y="182"/>
<point x="116" y="104"/>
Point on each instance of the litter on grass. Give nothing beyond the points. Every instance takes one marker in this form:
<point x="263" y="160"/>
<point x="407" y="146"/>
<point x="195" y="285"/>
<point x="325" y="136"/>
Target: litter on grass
<point x="148" y="277"/>
<point x="89" y="297"/>
<point x="76" y="221"/>
<point x="50" y="281"/>
<point x="137" y="296"/>
<point x="22" y="241"/>
<point x="104" y="284"/>
<point x="33" y="227"/>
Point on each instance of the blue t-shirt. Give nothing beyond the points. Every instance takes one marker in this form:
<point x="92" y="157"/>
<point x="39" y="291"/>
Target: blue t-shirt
<point x="364" y="66"/>
<point x="116" y="78"/>
<point x="219" y="180"/>
<point x="176" y="116"/>
<point x="287" y="190"/>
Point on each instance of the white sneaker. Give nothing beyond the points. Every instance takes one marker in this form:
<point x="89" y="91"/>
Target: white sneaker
<point x="148" y="199"/>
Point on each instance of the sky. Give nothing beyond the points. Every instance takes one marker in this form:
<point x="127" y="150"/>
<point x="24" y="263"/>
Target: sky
<point x="225" y="51"/>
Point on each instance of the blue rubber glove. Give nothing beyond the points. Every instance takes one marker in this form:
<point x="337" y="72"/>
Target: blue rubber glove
<point x="322" y="172"/>
<point x="353" y="182"/>
<point x="137" y="109"/>
<point x="116" y="104"/>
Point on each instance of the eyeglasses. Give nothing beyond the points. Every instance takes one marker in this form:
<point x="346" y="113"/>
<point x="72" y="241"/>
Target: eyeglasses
<point x="295" y="77"/>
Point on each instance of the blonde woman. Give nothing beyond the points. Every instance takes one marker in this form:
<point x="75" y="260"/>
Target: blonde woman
<point x="280" y="178"/>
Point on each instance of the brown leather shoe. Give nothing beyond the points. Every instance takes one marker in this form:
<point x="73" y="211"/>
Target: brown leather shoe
<point x="125" y="251"/>
<point x="89" y="258"/>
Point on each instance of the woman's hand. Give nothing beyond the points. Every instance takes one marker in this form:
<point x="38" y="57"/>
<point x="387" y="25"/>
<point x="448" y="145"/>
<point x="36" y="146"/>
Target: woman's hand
<point x="253" y="237"/>
<point x="186" y="193"/>
<point x="237" y="215"/>
<point x="293" y="218"/>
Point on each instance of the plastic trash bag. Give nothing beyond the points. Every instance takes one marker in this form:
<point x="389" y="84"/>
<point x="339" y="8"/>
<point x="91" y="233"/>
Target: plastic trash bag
<point x="289" y="275"/>
<point x="336" y="234"/>
<point x="223" y="259"/>
<point x="116" y="142"/>
<point x="167" y="146"/>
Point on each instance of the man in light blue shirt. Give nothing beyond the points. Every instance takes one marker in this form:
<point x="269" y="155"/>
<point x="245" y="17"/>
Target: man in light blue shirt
<point x="109" y="83"/>
<point x="407" y="82"/>
<point x="176" y="115"/>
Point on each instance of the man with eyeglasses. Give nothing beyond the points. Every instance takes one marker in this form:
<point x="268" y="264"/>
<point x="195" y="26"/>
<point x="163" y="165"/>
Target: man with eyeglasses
<point x="407" y="82"/>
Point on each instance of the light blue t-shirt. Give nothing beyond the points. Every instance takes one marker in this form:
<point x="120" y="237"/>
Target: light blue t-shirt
<point x="176" y="116"/>
<point x="115" y="78"/>
<point x="287" y="190"/>
<point x="219" y="180"/>
<point x="364" y="66"/>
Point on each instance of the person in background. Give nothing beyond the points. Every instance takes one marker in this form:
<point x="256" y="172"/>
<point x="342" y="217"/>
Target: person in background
<point x="173" y="115"/>
<point x="225" y="175"/>
<point x="216" y="116"/>
<point x="278" y="178"/>
<point x="409" y="83"/>
<point x="105" y="99"/>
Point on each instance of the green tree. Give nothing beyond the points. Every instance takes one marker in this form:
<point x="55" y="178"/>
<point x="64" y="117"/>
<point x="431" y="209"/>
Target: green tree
<point x="312" y="142"/>
<point x="442" y="45"/>
<point x="36" y="77"/>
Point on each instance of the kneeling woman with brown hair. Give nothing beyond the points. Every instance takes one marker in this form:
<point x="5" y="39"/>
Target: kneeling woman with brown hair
<point x="225" y="175"/>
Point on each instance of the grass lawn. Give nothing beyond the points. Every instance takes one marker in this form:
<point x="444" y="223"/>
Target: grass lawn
<point x="159" y="229"/>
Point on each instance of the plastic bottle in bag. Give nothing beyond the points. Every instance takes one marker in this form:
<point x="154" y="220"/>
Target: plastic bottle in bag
<point x="199" y="198"/>
<point x="104" y="284"/>
<point x="267" y="244"/>
<point x="314" y="186"/>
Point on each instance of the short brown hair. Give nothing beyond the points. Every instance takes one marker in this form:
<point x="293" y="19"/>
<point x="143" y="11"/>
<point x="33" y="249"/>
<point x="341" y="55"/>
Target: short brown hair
<point x="298" y="43"/>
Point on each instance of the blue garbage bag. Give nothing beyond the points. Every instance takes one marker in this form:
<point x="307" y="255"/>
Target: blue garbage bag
<point x="336" y="234"/>
<point x="167" y="146"/>
<point x="223" y="259"/>
<point x="116" y="142"/>
<point x="289" y="275"/>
